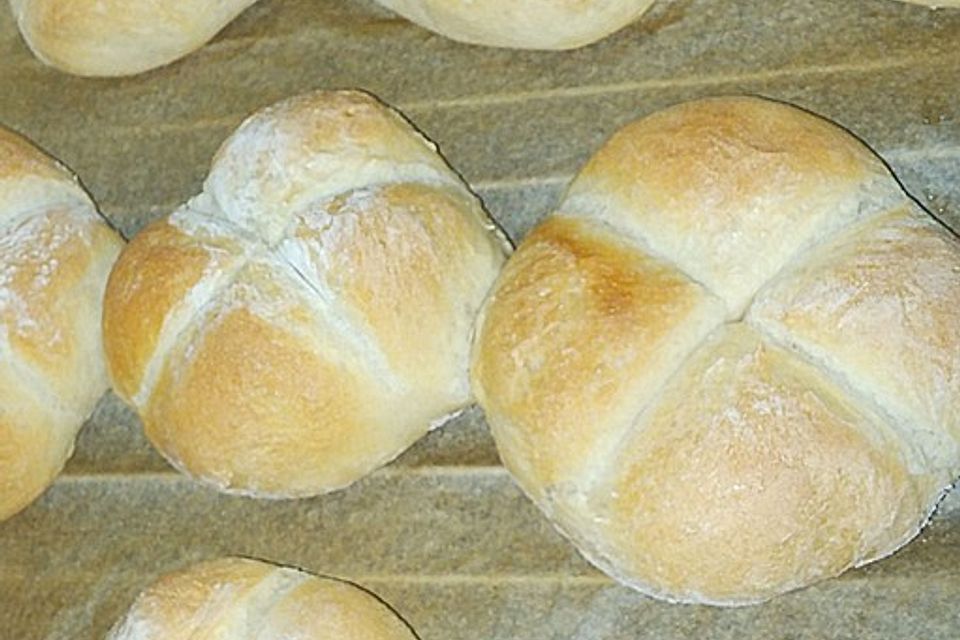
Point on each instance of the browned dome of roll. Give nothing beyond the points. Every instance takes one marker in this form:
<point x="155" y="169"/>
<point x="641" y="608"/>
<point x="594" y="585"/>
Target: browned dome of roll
<point x="307" y="317"/>
<point x="239" y="599"/>
<point x="119" y="37"/>
<point x="728" y="365"/>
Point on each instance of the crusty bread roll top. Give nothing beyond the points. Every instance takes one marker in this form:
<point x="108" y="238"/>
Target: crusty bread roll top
<point x="55" y="253"/>
<point x="240" y="599"/>
<point x="307" y="317"/>
<point x="728" y="366"/>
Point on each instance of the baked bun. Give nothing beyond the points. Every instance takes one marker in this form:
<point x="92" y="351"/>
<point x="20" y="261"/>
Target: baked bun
<point x="935" y="4"/>
<point x="239" y="599"/>
<point x="522" y="24"/>
<point x="307" y="317"/>
<point x="119" y="37"/>
<point x="55" y="254"/>
<point x="728" y="366"/>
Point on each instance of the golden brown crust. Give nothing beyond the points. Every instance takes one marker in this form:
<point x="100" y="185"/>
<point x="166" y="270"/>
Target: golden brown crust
<point x="893" y="284"/>
<point x="55" y="253"/>
<point x="157" y="270"/>
<point x="54" y="280"/>
<point x="575" y="337"/>
<point x="750" y="466"/>
<point x="307" y="317"/>
<point x="185" y="603"/>
<point x="765" y="461"/>
<point x="379" y="249"/>
<point x="19" y="158"/>
<point x="119" y="37"/>
<point x="35" y="441"/>
<point x="311" y="147"/>
<point x="522" y="24"/>
<point x="305" y="422"/>
<point x="784" y="174"/>
<point x="348" y="613"/>
<point x="31" y="179"/>
<point x="235" y="598"/>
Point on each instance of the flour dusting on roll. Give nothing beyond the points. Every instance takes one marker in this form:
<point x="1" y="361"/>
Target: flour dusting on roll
<point x="55" y="254"/>
<point x="728" y="365"/>
<point x="308" y="316"/>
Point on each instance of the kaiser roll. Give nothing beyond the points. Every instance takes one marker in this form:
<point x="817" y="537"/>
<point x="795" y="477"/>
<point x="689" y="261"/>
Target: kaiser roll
<point x="728" y="366"/>
<point x="55" y="254"/>
<point x="308" y="316"/>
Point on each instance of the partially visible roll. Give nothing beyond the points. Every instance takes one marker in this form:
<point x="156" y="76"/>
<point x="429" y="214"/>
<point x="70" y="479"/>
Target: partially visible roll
<point x="119" y="37"/>
<point x="240" y="599"/>
<point x="55" y="254"/>
<point x="935" y="4"/>
<point x="522" y="24"/>
<point x="308" y="316"/>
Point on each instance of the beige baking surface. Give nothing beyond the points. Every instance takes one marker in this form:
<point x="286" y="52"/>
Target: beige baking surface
<point x="443" y="534"/>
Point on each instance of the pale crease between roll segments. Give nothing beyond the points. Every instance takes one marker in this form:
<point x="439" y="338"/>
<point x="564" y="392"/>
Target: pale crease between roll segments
<point x="55" y="254"/>
<point x="119" y="37"/>
<point x="307" y="317"/>
<point x="729" y="365"/>
<point x="522" y="24"/>
<point x="240" y="599"/>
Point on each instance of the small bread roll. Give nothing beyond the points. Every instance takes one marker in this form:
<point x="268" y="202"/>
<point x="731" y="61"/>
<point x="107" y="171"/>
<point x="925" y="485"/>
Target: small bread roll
<point x="935" y="4"/>
<point x="55" y="254"/>
<point x="119" y="37"/>
<point x="728" y="366"/>
<point x="308" y="316"/>
<point x="239" y="599"/>
<point x="522" y="24"/>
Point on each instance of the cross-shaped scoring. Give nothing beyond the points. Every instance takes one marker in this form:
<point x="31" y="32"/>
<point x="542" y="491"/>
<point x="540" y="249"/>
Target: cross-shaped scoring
<point x="307" y="317"/>
<point x="728" y="366"/>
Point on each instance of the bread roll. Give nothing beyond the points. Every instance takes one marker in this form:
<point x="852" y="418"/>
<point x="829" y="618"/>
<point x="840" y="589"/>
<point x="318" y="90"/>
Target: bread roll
<point x="728" y="366"/>
<point x="55" y="254"/>
<point x="119" y="37"/>
<point x="522" y="24"/>
<point x="307" y="317"/>
<point x="935" y="4"/>
<point x="239" y="599"/>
